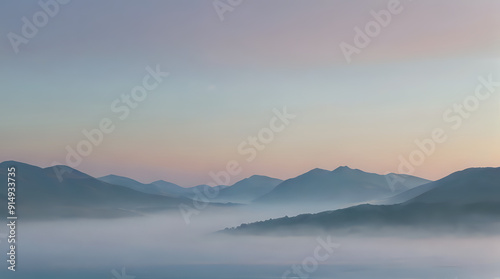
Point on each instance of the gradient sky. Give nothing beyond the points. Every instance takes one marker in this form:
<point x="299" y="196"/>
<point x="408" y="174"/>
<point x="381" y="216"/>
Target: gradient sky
<point x="227" y="76"/>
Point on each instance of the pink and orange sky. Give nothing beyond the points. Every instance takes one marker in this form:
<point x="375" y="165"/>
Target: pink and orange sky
<point x="226" y="77"/>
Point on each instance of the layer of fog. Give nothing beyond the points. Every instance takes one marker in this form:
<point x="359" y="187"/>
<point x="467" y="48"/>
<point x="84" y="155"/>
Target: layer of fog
<point x="165" y="239"/>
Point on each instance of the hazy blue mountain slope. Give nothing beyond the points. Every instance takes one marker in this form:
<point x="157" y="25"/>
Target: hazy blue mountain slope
<point x="467" y="186"/>
<point x="248" y="189"/>
<point x="407" y="195"/>
<point x="132" y="184"/>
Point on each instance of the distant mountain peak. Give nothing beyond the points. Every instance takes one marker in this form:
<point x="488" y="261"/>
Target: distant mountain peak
<point x="347" y="169"/>
<point x="258" y="176"/>
<point x="163" y="182"/>
<point x="12" y="162"/>
<point x="248" y="189"/>
<point x="159" y="181"/>
<point x="114" y="176"/>
<point x="343" y="168"/>
<point x="316" y="171"/>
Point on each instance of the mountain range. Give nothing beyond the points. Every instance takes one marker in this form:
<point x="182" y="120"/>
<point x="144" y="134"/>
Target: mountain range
<point x="41" y="194"/>
<point x="340" y="186"/>
<point x="244" y="191"/>
<point x="159" y="187"/>
<point x="465" y="201"/>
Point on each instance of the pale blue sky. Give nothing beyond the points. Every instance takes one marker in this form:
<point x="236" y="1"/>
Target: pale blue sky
<point x="226" y="77"/>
